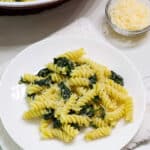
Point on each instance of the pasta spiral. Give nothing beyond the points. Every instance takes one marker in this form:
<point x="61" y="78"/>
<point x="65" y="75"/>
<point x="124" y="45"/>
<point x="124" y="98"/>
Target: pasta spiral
<point x="56" y="77"/>
<point x="41" y="105"/>
<point x="85" y="99"/>
<point x="29" y="78"/>
<point x="33" y="89"/>
<point x="74" y="55"/>
<point x="43" y="127"/>
<point x="129" y="110"/>
<point x="82" y="72"/>
<point x="44" y="124"/>
<point x="117" y="96"/>
<point x="56" y="69"/>
<point x="81" y="120"/>
<point x="98" y="122"/>
<point x="98" y="133"/>
<point x="105" y="98"/>
<point x="106" y="101"/>
<point x="47" y="133"/>
<point x="57" y="133"/>
<point x="31" y="114"/>
<point x="115" y="115"/>
<point x="115" y="86"/>
<point x="70" y="130"/>
<point x="51" y="91"/>
<point x="99" y="69"/>
<point x="69" y="104"/>
<point x="78" y="82"/>
<point x="81" y="91"/>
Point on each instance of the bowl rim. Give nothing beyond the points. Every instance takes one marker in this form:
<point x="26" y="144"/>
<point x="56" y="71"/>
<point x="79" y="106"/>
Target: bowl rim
<point x="119" y="30"/>
<point x="28" y="4"/>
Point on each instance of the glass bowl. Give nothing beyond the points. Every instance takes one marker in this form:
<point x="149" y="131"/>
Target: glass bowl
<point x="119" y="30"/>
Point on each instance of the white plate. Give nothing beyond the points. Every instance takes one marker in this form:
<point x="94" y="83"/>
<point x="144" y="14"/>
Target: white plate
<point x="33" y="58"/>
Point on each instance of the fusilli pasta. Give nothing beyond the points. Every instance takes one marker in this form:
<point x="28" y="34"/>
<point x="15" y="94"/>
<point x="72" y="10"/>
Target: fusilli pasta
<point x="73" y="92"/>
<point x="98" y="133"/>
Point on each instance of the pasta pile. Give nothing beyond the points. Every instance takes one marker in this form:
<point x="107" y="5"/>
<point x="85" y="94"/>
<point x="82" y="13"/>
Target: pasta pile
<point x="73" y="93"/>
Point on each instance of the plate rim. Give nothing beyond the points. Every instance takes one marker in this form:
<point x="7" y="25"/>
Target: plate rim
<point x="58" y="37"/>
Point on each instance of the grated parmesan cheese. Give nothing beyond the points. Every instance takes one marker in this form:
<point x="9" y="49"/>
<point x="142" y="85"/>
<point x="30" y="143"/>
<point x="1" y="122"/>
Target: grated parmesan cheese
<point x="130" y="15"/>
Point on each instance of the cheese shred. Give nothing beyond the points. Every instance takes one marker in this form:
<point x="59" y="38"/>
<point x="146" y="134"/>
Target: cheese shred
<point x="130" y="15"/>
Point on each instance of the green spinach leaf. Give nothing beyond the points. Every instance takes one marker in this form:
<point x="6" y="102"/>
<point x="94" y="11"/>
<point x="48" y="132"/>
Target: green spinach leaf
<point x="32" y="96"/>
<point x="71" y="112"/>
<point x="56" y="123"/>
<point x="87" y="110"/>
<point x="49" y="114"/>
<point x="44" y="72"/>
<point x="102" y="112"/>
<point x="117" y="78"/>
<point x="44" y="82"/>
<point x="96" y="99"/>
<point x="64" y="62"/>
<point x="75" y="125"/>
<point x="65" y="91"/>
<point x="92" y="80"/>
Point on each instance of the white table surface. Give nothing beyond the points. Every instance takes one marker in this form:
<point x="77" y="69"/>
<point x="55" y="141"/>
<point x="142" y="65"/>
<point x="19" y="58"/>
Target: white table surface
<point x="18" y="32"/>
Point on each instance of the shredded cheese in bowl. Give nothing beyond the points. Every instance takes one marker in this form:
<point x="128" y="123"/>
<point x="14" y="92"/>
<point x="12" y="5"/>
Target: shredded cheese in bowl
<point x="130" y="15"/>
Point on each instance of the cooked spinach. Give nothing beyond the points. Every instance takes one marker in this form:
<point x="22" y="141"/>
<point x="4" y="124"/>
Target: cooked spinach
<point x="87" y="110"/>
<point x="49" y="114"/>
<point x="61" y="61"/>
<point x="64" y="62"/>
<point x="102" y="112"/>
<point x="71" y="112"/>
<point x="94" y="126"/>
<point x="75" y="125"/>
<point x="92" y="80"/>
<point x="43" y="82"/>
<point x="65" y="91"/>
<point x="96" y="99"/>
<point x="117" y="78"/>
<point x="31" y="95"/>
<point x="77" y="64"/>
<point x="44" y="72"/>
<point x="56" y="123"/>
